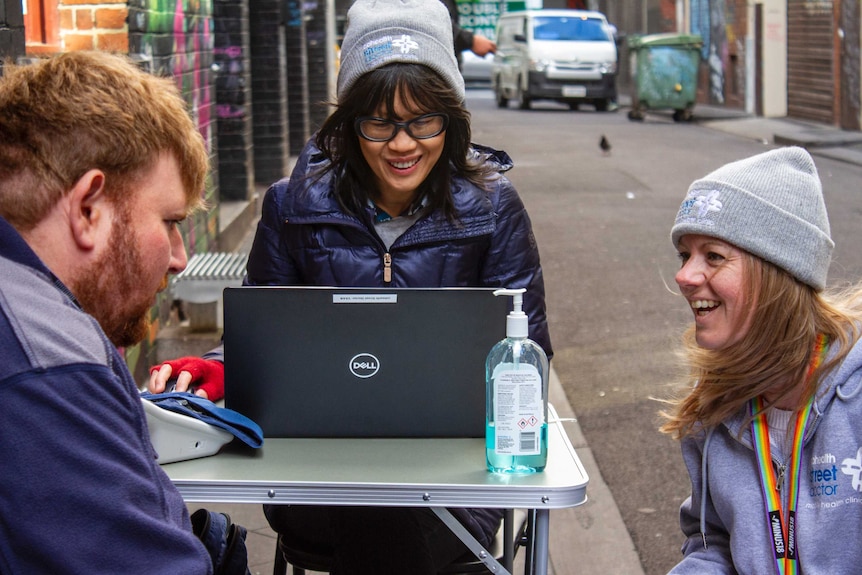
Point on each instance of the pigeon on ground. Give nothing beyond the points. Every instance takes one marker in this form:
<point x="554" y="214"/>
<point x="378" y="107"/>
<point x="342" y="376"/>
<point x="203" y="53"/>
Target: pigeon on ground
<point x="605" y="145"/>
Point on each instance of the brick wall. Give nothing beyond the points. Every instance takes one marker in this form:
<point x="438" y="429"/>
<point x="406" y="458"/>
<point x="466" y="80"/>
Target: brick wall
<point x="11" y="31"/>
<point x="233" y="99"/>
<point x="297" y="76"/>
<point x="269" y="91"/>
<point x="86" y="25"/>
<point x="317" y="50"/>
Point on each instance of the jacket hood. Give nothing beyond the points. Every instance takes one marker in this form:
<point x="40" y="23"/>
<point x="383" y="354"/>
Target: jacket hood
<point x="843" y="383"/>
<point x="846" y="381"/>
<point x="499" y="157"/>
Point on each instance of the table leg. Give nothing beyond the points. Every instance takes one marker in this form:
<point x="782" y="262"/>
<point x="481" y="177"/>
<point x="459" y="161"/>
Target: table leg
<point x="540" y="541"/>
<point x="538" y="533"/>
<point x="509" y="538"/>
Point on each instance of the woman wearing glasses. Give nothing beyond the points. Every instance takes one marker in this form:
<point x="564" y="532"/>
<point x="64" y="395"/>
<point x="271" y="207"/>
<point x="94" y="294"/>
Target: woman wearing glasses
<point x="390" y="193"/>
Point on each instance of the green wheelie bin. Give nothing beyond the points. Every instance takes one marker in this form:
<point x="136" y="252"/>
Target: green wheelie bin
<point x="664" y="73"/>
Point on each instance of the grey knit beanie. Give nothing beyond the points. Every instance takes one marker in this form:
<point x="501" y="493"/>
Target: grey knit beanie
<point x="770" y="205"/>
<point x="383" y="31"/>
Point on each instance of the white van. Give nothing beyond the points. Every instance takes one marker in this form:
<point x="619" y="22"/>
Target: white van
<point x="565" y="55"/>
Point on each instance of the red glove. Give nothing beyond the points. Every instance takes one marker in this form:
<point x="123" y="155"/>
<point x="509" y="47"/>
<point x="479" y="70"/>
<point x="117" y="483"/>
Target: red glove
<point x="207" y="374"/>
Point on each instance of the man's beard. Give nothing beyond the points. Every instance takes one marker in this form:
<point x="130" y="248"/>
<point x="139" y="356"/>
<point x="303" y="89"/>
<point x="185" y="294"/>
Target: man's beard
<point x="107" y="288"/>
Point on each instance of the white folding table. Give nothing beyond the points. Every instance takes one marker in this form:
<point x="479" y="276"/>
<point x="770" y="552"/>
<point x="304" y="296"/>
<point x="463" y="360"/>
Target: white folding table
<point x="435" y="473"/>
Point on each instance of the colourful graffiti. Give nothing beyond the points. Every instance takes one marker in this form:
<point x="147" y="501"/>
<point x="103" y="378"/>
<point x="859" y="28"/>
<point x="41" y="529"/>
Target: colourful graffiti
<point x="231" y="97"/>
<point x="708" y="21"/>
<point x="174" y="38"/>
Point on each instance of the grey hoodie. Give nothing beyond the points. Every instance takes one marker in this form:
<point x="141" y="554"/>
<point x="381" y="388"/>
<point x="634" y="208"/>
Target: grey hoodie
<point x="726" y="510"/>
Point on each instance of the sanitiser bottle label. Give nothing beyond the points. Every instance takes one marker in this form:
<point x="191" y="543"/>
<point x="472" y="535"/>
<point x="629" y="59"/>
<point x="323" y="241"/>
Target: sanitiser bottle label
<point x="518" y="411"/>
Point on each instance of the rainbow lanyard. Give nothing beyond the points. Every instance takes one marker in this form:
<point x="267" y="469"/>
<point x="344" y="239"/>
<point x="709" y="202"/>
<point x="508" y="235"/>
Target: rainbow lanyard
<point x="782" y="532"/>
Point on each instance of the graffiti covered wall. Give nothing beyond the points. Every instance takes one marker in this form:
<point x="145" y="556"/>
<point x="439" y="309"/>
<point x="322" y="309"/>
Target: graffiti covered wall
<point x="233" y="100"/>
<point x="175" y="38"/>
<point x="707" y="20"/>
<point x="722" y="25"/>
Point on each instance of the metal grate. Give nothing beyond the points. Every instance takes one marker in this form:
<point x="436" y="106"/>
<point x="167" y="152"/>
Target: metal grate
<point x="207" y="274"/>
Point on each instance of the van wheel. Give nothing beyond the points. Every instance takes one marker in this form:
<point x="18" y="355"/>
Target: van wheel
<point x="499" y="96"/>
<point x="523" y="98"/>
<point x="574" y="105"/>
<point x="601" y="105"/>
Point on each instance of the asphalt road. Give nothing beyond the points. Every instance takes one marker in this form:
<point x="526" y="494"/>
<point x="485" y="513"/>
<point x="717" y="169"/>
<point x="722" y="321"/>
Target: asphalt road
<point x="602" y="222"/>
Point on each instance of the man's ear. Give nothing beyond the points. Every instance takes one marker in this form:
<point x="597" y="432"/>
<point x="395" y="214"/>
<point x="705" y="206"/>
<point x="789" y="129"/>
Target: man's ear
<point x="89" y="210"/>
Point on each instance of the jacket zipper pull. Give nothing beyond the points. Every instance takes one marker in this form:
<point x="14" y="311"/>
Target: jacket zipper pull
<point x="387" y="267"/>
<point x="779" y="481"/>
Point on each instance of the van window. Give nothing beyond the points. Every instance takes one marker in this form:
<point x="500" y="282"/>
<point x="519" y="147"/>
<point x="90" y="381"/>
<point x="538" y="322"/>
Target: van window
<point x="564" y="28"/>
<point x="508" y="28"/>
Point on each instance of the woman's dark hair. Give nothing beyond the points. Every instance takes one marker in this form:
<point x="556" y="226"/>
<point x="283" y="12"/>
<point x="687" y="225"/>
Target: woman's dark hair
<point x="339" y="142"/>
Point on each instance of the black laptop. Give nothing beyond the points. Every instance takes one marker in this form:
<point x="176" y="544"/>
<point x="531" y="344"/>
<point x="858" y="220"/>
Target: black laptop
<point x="360" y="362"/>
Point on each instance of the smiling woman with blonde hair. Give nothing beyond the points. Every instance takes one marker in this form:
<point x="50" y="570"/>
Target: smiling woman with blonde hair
<point x="770" y="418"/>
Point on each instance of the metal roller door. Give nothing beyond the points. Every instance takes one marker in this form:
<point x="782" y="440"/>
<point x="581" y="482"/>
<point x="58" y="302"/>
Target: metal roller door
<point x="811" y="78"/>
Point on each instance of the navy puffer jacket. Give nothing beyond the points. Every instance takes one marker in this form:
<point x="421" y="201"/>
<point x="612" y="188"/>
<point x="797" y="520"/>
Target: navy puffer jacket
<point x="305" y="238"/>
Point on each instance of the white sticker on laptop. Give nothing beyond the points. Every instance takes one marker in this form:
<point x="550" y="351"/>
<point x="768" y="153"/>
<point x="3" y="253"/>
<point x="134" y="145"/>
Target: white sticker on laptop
<point x="365" y="298"/>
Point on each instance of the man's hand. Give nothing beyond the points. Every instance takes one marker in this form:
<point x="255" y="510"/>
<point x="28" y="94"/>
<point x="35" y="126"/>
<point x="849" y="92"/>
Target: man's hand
<point x="203" y="377"/>
<point x="483" y="46"/>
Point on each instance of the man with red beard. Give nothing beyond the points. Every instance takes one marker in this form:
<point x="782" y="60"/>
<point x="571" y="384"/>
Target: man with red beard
<point x="99" y="163"/>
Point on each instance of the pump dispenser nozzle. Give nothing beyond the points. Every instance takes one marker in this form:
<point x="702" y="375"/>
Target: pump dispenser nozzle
<point x="517" y="323"/>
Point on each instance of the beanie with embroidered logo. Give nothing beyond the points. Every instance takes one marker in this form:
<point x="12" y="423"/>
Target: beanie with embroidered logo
<point x="770" y="205"/>
<point x="380" y="32"/>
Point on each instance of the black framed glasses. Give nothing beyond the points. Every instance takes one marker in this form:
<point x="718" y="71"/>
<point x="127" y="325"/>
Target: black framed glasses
<point x="420" y="128"/>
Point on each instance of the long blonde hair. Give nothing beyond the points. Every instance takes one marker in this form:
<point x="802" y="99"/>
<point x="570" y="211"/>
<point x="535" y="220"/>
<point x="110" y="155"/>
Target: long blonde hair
<point x="774" y="355"/>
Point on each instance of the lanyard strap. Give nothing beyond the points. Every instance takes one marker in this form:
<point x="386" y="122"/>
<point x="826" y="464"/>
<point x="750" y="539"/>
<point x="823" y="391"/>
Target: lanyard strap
<point x="782" y="530"/>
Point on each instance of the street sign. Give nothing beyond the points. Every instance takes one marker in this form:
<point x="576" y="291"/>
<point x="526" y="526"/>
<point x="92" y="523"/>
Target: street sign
<point x="480" y="16"/>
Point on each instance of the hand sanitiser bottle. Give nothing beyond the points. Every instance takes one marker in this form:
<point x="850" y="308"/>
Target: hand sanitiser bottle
<point x="516" y="410"/>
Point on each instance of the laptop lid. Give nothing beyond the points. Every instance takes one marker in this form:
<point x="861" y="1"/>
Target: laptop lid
<point x="360" y="362"/>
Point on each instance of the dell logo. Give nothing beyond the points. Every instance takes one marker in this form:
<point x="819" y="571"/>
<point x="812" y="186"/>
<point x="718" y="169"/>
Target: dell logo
<point x="364" y="365"/>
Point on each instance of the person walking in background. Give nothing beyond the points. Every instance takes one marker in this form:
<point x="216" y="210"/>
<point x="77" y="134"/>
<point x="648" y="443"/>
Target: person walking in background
<point x="770" y="417"/>
<point x="465" y="39"/>
<point x="99" y="162"/>
<point x="390" y="193"/>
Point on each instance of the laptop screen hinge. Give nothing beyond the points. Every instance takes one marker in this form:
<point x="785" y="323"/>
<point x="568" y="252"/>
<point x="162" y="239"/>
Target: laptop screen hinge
<point x="387" y="267"/>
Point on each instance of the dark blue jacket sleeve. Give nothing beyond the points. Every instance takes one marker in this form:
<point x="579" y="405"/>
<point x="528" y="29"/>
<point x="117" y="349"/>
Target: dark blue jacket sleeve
<point x="268" y="261"/>
<point x="513" y="260"/>
<point x="81" y="492"/>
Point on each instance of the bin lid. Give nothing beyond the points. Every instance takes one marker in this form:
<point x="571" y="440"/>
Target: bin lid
<point x="669" y="39"/>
